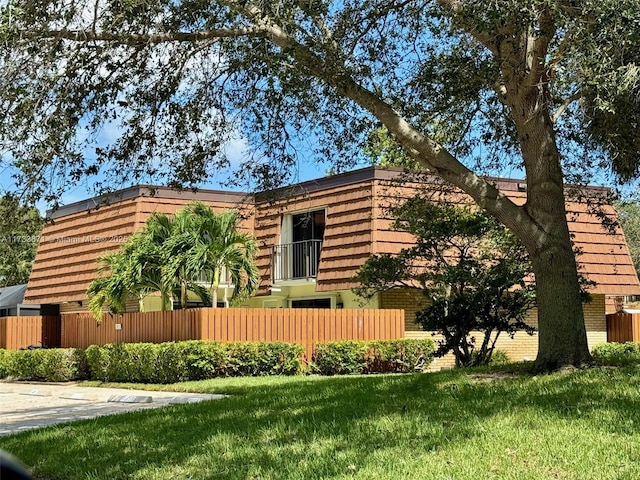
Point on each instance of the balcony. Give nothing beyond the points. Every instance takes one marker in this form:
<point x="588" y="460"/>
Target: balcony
<point x="295" y="261"/>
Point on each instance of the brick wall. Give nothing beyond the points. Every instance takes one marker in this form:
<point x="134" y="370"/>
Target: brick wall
<point x="521" y="347"/>
<point x="408" y="300"/>
<point x="132" y="306"/>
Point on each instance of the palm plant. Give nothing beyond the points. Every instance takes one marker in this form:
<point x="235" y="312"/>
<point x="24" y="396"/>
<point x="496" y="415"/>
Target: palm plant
<point x="134" y="270"/>
<point x="211" y="243"/>
<point x="171" y="235"/>
<point x="170" y="254"/>
<point x="145" y="259"/>
<point x="112" y="289"/>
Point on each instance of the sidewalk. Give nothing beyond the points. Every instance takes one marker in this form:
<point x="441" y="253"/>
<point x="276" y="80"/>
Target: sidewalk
<point x="25" y="406"/>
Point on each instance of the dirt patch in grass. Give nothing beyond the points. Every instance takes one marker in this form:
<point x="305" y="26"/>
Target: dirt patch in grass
<point x="493" y="376"/>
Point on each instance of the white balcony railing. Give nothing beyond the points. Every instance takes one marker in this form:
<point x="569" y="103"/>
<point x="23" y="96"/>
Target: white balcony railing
<point x="297" y="260"/>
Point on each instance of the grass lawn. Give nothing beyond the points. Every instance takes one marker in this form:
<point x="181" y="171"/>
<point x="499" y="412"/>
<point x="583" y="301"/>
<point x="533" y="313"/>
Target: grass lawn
<point x="448" y="425"/>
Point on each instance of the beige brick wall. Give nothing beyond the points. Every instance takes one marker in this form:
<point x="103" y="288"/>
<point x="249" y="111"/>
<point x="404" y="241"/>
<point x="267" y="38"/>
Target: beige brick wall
<point x="408" y="300"/>
<point x="521" y="347"/>
<point x="82" y="306"/>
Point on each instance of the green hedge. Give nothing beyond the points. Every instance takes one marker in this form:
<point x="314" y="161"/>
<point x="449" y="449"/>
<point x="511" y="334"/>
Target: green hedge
<point x="617" y="354"/>
<point x="388" y="356"/>
<point x="191" y="360"/>
<point x="198" y="360"/>
<point x="52" y="365"/>
<point x="5" y="358"/>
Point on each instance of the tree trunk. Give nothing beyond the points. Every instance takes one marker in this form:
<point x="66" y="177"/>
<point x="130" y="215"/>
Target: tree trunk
<point x="562" y="337"/>
<point x="214" y="288"/>
<point x="164" y="301"/>
<point x="183" y="294"/>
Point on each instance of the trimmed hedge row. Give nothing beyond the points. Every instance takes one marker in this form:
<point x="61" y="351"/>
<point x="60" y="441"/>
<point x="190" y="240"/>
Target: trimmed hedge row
<point x="191" y="360"/>
<point x="198" y="360"/>
<point x="153" y="363"/>
<point x="382" y="356"/>
<point x="617" y="354"/>
<point x="51" y="365"/>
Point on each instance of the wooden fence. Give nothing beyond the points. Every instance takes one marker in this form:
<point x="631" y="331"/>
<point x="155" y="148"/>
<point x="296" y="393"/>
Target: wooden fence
<point x="20" y="332"/>
<point x="303" y="326"/>
<point x="623" y="327"/>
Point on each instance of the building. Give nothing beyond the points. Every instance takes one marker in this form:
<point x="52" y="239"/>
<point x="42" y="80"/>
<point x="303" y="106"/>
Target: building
<point x="11" y="298"/>
<point x="313" y="237"/>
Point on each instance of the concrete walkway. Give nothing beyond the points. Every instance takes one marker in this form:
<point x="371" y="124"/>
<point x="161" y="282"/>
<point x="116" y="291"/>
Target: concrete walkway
<point x="25" y="406"/>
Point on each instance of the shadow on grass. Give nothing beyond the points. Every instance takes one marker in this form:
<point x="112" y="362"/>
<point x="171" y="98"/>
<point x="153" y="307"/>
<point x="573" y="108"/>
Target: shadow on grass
<point x="318" y="427"/>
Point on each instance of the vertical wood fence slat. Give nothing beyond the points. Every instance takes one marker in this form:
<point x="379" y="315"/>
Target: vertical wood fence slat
<point x="315" y="324"/>
<point x="223" y="318"/>
<point x="369" y="322"/>
<point x="3" y="332"/>
<point x="234" y="330"/>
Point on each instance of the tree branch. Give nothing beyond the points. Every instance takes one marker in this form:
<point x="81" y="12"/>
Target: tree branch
<point x="134" y="39"/>
<point x="456" y="8"/>
<point x="557" y="57"/>
<point x="537" y="47"/>
<point x="561" y="109"/>
<point x="428" y="152"/>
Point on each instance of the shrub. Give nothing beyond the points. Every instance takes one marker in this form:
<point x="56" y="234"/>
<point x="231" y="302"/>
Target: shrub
<point x="192" y="360"/>
<point x="198" y="360"/>
<point x="136" y="362"/>
<point x="387" y="356"/>
<point x="400" y="356"/>
<point x="169" y="364"/>
<point x="204" y="360"/>
<point x="617" y="354"/>
<point x="264" y="358"/>
<point x="340" y="358"/>
<point x="53" y="365"/>
<point x="499" y="357"/>
<point x="5" y="359"/>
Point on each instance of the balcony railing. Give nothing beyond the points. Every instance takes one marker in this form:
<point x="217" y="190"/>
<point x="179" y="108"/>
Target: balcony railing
<point x="297" y="260"/>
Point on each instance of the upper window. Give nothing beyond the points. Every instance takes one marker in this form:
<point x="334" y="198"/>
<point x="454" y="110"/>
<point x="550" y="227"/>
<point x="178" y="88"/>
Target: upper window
<point x="308" y="226"/>
<point x="298" y="254"/>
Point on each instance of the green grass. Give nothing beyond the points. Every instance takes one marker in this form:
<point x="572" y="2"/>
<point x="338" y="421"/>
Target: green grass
<point x="448" y="425"/>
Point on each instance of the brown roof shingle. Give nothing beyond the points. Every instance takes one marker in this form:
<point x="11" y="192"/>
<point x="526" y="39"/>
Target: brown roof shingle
<point x="357" y="226"/>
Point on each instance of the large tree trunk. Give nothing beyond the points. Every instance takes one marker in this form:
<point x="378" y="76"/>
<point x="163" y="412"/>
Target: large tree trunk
<point x="562" y="333"/>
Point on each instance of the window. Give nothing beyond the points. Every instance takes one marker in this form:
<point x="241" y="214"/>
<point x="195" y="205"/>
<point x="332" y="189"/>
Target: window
<point x="308" y="226"/>
<point x="312" y="303"/>
<point x="298" y="255"/>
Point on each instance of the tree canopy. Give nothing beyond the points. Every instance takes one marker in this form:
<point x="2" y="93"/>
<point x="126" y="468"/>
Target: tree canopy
<point x="178" y="78"/>
<point x="20" y="228"/>
<point x="551" y="86"/>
